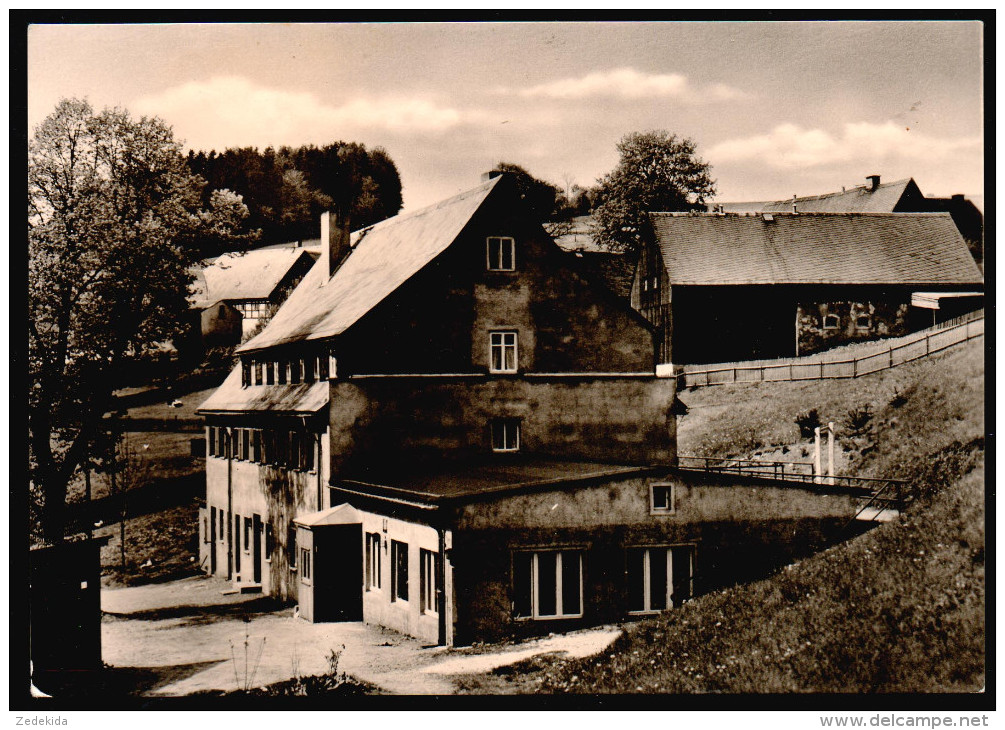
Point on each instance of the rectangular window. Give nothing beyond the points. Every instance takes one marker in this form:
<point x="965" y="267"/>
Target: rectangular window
<point x="245" y="373"/>
<point x="295" y="371"/>
<point x="221" y="445"/>
<point x="659" y="577"/>
<point x="661" y="499"/>
<point x="323" y="367"/>
<point x="282" y="367"/>
<point x="291" y="546"/>
<point x="258" y="372"/>
<point x="501" y="253"/>
<point x="831" y="322"/>
<point x="502" y="352"/>
<point x="256" y="445"/>
<point x="505" y="434"/>
<point x="309" y="363"/>
<point x="247" y="534"/>
<point x="236" y="536"/>
<point x="548" y="584"/>
<point x="863" y="322"/>
<point x="305" y="565"/>
<point x="270" y="373"/>
<point x="399" y="571"/>
<point x="223" y="537"/>
<point x="245" y="443"/>
<point x="211" y="440"/>
<point x="307" y="452"/>
<point x="428" y="580"/>
<point x="373" y="561"/>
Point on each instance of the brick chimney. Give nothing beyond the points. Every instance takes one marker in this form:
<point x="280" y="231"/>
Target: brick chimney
<point x="874" y="182"/>
<point x="334" y="239"/>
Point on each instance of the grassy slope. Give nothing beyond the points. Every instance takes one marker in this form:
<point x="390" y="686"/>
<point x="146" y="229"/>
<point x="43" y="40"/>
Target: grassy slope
<point x="897" y="609"/>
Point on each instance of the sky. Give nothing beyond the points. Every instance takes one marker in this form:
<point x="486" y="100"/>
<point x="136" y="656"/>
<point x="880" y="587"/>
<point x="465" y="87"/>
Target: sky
<point x="776" y="108"/>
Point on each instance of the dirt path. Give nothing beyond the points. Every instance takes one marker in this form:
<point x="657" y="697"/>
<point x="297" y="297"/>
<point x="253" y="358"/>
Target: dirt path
<point x="186" y="636"/>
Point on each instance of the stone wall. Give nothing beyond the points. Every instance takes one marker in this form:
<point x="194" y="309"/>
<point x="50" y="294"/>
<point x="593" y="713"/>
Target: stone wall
<point x="823" y="325"/>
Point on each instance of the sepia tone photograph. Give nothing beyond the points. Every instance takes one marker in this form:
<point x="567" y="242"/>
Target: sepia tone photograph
<point x="492" y="358"/>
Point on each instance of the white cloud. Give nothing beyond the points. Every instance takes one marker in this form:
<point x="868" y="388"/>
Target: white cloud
<point x="789" y="146"/>
<point x="627" y="83"/>
<point x="231" y="110"/>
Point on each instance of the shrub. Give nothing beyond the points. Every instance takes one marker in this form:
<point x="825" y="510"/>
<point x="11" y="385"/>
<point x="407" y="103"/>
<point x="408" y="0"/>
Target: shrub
<point x="859" y="419"/>
<point x="808" y="421"/>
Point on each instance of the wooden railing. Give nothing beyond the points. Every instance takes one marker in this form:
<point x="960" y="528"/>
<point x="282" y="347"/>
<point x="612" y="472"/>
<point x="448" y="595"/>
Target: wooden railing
<point x="908" y="349"/>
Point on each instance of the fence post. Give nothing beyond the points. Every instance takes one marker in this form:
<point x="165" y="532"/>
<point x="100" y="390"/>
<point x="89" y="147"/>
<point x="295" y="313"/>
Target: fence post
<point x="734" y="375"/>
<point x="854" y="367"/>
<point x="821" y="370"/>
<point x="816" y="455"/>
<point x="928" y="344"/>
<point x="791" y="376"/>
<point x="891" y="357"/>
<point x="830" y="453"/>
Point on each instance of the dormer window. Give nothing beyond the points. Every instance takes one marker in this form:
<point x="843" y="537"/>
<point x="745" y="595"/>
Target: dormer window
<point x="501" y="253"/>
<point x="502" y="352"/>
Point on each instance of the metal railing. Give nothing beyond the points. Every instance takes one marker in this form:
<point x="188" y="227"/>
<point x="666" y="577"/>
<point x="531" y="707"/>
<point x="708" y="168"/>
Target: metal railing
<point x="913" y="347"/>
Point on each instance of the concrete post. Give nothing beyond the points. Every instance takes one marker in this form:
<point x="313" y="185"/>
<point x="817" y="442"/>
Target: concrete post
<point x="816" y="455"/>
<point x="830" y="453"/>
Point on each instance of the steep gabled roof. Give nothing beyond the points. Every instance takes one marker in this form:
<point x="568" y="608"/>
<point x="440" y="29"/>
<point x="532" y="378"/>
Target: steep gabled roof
<point x="248" y="275"/>
<point x="818" y="248"/>
<point x="384" y="256"/>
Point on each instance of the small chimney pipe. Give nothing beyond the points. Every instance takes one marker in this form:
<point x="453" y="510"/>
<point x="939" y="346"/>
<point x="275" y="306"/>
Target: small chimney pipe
<point x="874" y="180"/>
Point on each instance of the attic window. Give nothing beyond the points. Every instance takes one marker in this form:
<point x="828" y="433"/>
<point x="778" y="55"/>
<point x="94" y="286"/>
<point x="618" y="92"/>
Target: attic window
<point x="501" y="253"/>
<point x="831" y="322"/>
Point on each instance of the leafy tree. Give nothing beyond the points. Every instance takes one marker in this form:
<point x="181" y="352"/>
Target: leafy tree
<point x="539" y="196"/>
<point x="657" y="171"/>
<point x="113" y="210"/>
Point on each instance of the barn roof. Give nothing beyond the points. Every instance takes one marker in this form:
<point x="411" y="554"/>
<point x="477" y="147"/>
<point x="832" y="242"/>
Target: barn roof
<point x="233" y="397"/>
<point x="244" y="275"/>
<point x="892" y="248"/>
<point x="384" y="256"/>
<point x="860" y="199"/>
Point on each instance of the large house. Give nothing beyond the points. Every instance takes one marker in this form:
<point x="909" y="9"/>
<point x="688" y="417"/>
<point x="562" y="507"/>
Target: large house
<point x="448" y="429"/>
<point x="237" y="293"/>
<point x="729" y="287"/>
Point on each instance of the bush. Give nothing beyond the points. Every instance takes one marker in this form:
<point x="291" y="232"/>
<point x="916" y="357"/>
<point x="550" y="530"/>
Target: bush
<point x="859" y="419"/>
<point x="808" y="422"/>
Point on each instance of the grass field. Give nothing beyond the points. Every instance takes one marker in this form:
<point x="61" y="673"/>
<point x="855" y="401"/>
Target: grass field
<point x="900" y="608"/>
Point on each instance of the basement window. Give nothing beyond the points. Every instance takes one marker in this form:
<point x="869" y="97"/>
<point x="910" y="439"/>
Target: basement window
<point x="501" y="253"/>
<point x="548" y="584"/>
<point x="659" y="577"/>
<point x="505" y="434"/>
<point x="831" y="322"/>
<point x="399" y="571"/>
<point x="662" y="500"/>
<point x="863" y="322"/>
<point x="428" y="580"/>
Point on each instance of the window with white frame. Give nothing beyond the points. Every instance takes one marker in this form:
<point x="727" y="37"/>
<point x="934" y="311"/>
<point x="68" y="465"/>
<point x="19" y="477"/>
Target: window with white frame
<point x="502" y="352"/>
<point x="373" y="561"/>
<point x="399" y="571"/>
<point x="501" y="253"/>
<point x="662" y="499"/>
<point x="428" y="580"/>
<point x="247" y="534"/>
<point x="305" y="565"/>
<point x="863" y="322"/>
<point x="505" y="434"/>
<point x="831" y="321"/>
<point x="548" y="584"/>
<point x="211" y="441"/>
<point x="659" y="577"/>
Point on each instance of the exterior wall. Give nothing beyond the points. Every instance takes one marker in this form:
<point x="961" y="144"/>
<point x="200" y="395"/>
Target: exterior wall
<point x="277" y="496"/>
<point x="378" y="606"/>
<point x="886" y="319"/>
<point x="613" y="419"/>
<point x="651" y="296"/>
<point x="220" y="324"/>
<point x="739" y="532"/>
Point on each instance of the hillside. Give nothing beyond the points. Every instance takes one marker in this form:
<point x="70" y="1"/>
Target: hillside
<point x="898" y="609"/>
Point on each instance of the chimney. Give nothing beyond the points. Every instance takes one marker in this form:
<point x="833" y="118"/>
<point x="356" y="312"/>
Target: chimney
<point x="492" y="174"/>
<point x="795" y="208"/>
<point x="874" y="180"/>
<point x="334" y="239"/>
<point x="958" y="198"/>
